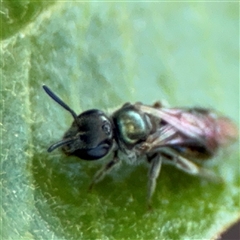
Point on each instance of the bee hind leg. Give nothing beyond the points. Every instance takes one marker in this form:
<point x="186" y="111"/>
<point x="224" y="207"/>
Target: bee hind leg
<point x="191" y="168"/>
<point x="154" y="171"/>
<point x="102" y="172"/>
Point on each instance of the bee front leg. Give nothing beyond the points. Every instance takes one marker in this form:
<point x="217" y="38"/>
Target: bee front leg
<point x="105" y="170"/>
<point x="156" y="163"/>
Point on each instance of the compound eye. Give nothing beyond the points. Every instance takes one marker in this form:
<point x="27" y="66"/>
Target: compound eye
<point x="107" y="129"/>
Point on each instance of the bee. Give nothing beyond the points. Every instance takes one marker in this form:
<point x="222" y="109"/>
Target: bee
<point x="177" y="136"/>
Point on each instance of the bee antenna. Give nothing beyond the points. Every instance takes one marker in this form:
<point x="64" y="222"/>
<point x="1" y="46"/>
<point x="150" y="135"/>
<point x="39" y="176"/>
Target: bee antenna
<point x="59" y="101"/>
<point x="60" y="144"/>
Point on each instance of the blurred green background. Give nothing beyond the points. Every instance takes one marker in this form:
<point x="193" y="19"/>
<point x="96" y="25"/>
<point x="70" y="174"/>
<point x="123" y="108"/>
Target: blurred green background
<point x="101" y="55"/>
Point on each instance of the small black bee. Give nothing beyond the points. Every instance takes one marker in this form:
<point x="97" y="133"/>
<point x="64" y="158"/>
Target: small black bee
<point x="169" y="135"/>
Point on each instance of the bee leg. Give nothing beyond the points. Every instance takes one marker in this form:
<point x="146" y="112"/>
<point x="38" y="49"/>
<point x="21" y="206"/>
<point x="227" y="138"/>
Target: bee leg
<point x="191" y="168"/>
<point x="156" y="162"/>
<point x="102" y="172"/>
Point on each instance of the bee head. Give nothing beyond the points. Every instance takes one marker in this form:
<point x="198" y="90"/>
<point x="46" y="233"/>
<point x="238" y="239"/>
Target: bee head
<point x="90" y="136"/>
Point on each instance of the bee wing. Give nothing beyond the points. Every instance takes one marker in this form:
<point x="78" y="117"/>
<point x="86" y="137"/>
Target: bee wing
<point x="188" y="123"/>
<point x="197" y="124"/>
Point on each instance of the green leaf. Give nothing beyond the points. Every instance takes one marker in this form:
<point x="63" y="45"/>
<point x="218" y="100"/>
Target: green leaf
<point x="101" y="55"/>
<point x="17" y="14"/>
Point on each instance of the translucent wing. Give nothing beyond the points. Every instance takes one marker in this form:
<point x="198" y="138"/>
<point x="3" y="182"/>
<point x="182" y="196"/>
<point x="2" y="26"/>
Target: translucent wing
<point x="191" y="127"/>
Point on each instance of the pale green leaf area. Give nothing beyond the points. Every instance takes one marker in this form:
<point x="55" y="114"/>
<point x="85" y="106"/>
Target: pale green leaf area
<point x="101" y="55"/>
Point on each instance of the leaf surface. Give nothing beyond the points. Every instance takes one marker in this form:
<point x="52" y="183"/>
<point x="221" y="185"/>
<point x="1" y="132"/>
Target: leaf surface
<point x="101" y="55"/>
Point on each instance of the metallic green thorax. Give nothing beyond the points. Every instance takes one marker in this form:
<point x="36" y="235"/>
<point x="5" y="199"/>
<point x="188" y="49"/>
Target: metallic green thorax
<point x="132" y="125"/>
